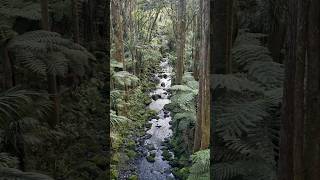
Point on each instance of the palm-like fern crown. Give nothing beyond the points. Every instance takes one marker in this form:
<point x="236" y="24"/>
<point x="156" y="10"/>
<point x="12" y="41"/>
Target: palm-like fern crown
<point x="47" y="52"/>
<point x="246" y="123"/>
<point x="200" y="165"/>
<point x="124" y="78"/>
<point x="20" y="8"/>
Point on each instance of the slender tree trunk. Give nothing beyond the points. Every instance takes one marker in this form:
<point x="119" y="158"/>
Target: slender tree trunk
<point x="299" y="105"/>
<point x="222" y="31"/>
<point x="203" y="114"/>
<point x="153" y="24"/>
<point x="196" y="57"/>
<point x="118" y="31"/>
<point x="287" y="125"/>
<point x="76" y="30"/>
<point x="198" y="126"/>
<point x="8" y="81"/>
<point x="181" y="38"/>
<point x="52" y="79"/>
<point x="312" y="125"/>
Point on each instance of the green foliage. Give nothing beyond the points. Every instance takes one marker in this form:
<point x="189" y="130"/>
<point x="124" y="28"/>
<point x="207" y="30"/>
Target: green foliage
<point x="45" y="52"/>
<point x="124" y="78"/>
<point x="200" y="165"/>
<point x="15" y="174"/>
<point x="247" y="117"/>
<point x="117" y="121"/>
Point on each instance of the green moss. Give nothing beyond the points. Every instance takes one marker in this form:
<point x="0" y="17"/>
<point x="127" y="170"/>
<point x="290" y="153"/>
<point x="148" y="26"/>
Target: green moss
<point x="131" y="144"/>
<point x="150" y="159"/>
<point x="114" y="174"/>
<point x="115" y="159"/>
<point x="182" y="173"/>
<point x="131" y="154"/>
<point x="166" y="155"/>
<point x="133" y="177"/>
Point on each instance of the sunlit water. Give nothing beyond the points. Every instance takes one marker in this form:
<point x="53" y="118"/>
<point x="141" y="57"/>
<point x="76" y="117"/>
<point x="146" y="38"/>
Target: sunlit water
<point x="160" y="129"/>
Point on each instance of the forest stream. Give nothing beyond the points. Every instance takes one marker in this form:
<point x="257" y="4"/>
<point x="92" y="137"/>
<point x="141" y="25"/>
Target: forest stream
<point x="159" y="131"/>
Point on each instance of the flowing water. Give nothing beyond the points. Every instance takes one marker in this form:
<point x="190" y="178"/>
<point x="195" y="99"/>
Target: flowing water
<point x="159" y="131"/>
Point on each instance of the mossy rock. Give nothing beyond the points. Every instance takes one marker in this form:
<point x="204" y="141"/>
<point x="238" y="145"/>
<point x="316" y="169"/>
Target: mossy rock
<point x="131" y="144"/>
<point x="182" y="173"/>
<point x="166" y="155"/>
<point x="115" y="159"/>
<point x="152" y="154"/>
<point x="148" y="125"/>
<point x="150" y="147"/>
<point x="114" y="174"/>
<point x="133" y="177"/>
<point x="131" y="154"/>
<point x="151" y="159"/>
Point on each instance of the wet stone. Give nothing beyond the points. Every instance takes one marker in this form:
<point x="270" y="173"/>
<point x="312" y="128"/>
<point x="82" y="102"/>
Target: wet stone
<point x="163" y="84"/>
<point x="150" y="147"/>
<point x="165" y="76"/>
<point x="156" y="97"/>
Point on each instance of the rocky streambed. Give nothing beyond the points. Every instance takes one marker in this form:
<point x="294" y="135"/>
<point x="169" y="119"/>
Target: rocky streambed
<point x="154" y="164"/>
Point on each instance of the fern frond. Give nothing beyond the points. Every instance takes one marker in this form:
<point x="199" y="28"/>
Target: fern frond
<point x="15" y="174"/>
<point x="240" y="117"/>
<point x="47" y="52"/>
<point x="125" y="78"/>
<point x="232" y="82"/>
<point x="270" y="74"/>
<point x="200" y="165"/>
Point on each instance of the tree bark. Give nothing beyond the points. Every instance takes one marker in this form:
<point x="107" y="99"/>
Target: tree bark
<point x="222" y="32"/>
<point x="203" y="114"/>
<point x="181" y="38"/>
<point x="196" y="57"/>
<point x="8" y="81"/>
<point x="52" y="79"/>
<point x="312" y="125"/>
<point x="75" y="13"/>
<point x="299" y="114"/>
<point x="118" y="31"/>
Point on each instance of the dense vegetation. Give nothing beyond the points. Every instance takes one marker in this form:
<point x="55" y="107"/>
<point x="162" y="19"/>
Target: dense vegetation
<point x="54" y="89"/>
<point x="78" y="79"/>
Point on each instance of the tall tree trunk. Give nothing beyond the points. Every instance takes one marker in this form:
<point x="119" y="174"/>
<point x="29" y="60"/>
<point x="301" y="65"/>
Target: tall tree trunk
<point x="196" y="57"/>
<point x="222" y="32"/>
<point x="286" y="132"/>
<point x="75" y="13"/>
<point x="8" y="81"/>
<point x="118" y="31"/>
<point x="299" y="105"/>
<point x="181" y="38"/>
<point x="312" y="125"/>
<point x="198" y="132"/>
<point x="203" y="114"/>
<point x="52" y="79"/>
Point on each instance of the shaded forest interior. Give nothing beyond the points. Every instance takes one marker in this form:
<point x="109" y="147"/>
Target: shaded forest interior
<point x="160" y="89"/>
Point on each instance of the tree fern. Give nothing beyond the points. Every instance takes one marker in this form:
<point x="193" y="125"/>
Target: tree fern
<point x="200" y="165"/>
<point x="47" y="52"/>
<point x="233" y="82"/>
<point x="124" y="78"/>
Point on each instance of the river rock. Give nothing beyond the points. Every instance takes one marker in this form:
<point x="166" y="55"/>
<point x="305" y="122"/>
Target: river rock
<point x="163" y="84"/>
<point x="156" y="96"/>
<point x="150" y="147"/>
<point x="165" y="76"/>
<point x="158" y="126"/>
